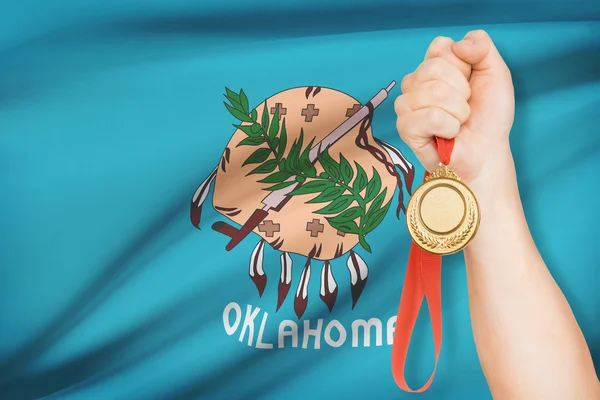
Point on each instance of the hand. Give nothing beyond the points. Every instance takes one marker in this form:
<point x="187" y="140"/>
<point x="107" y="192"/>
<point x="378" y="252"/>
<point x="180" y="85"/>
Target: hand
<point x="461" y="90"/>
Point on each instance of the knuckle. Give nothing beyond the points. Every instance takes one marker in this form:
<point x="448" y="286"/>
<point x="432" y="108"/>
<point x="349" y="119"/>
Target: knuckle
<point x="467" y="89"/>
<point x="435" y="68"/>
<point x="437" y="119"/>
<point x="481" y="33"/>
<point x="466" y="113"/>
<point x="400" y="128"/>
<point x="399" y="105"/>
<point x="478" y="35"/>
<point x="404" y="84"/>
<point x="438" y="92"/>
<point x="453" y="127"/>
<point x="432" y="68"/>
<point x="439" y="44"/>
<point x="405" y="129"/>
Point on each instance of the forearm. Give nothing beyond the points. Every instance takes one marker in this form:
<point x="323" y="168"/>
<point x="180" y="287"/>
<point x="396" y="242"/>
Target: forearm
<point x="528" y="340"/>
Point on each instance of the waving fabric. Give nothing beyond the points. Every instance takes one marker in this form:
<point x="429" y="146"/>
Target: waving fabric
<point x="112" y="122"/>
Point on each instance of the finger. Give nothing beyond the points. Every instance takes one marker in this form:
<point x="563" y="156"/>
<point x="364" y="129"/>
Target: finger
<point x="435" y="94"/>
<point x="477" y="49"/>
<point x="442" y="47"/>
<point x="421" y="126"/>
<point x="418" y="130"/>
<point x="437" y="69"/>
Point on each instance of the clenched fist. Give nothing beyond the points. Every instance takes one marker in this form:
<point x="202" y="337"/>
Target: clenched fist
<point x="461" y="90"/>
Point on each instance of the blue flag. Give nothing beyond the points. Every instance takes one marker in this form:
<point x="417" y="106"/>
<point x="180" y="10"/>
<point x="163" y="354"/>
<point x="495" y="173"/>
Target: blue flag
<point x="205" y="200"/>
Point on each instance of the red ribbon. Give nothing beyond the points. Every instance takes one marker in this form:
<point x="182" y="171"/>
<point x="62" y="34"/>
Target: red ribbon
<point x="423" y="280"/>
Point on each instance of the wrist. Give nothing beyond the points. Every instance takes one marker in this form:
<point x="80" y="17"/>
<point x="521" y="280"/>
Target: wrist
<point x="496" y="182"/>
<point x="503" y="228"/>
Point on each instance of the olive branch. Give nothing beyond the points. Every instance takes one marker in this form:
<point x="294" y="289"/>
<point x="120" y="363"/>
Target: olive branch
<point x="345" y="191"/>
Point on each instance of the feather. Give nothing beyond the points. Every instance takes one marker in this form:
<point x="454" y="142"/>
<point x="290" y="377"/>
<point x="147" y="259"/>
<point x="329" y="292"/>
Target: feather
<point x="329" y="287"/>
<point x="257" y="273"/>
<point x="285" y="279"/>
<point x="359" y="272"/>
<point x="301" y="300"/>
<point x="199" y="197"/>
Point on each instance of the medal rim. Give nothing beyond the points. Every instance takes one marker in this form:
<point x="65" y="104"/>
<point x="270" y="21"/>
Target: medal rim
<point x="426" y="187"/>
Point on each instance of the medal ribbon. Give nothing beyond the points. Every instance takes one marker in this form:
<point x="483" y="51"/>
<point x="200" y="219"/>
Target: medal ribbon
<point x="423" y="280"/>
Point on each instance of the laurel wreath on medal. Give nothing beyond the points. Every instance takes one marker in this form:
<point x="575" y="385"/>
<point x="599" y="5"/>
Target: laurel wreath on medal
<point x="449" y="243"/>
<point x="348" y="193"/>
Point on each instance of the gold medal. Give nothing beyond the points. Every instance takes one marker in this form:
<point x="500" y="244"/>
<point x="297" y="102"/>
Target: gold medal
<point x="442" y="215"/>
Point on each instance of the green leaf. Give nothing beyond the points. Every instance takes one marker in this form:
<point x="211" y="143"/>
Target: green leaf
<point x="376" y="204"/>
<point x="361" y="180"/>
<point x="236" y="104"/>
<point x="265" y="118"/>
<point x="282" y="140"/>
<point x="234" y="98"/>
<point x="346" y="170"/>
<point x="265" y="168"/>
<point x="329" y="165"/>
<point x="312" y="187"/>
<point x="306" y="166"/>
<point x="306" y="152"/>
<point x="258" y="156"/>
<point x="363" y="243"/>
<point x="274" y="144"/>
<point x="276" y="177"/>
<point x="346" y="227"/>
<point x="231" y="94"/>
<point x="281" y="185"/>
<point x="250" y="130"/>
<point x="282" y="164"/>
<point x="254" y="115"/>
<point x="374" y="219"/>
<point x="349" y="215"/>
<point x="337" y="206"/>
<point x="293" y="160"/>
<point x="274" y="128"/>
<point x="244" y="101"/>
<point x="373" y="186"/>
<point x="308" y="169"/>
<point x="289" y="163"/>
<point x="252" y="141"/>
<point x="238" y="114"/>
<point x="328" y="195"/>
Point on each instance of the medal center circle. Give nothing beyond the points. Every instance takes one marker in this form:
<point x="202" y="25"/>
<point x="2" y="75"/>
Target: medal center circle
<point x="442" y="209"/>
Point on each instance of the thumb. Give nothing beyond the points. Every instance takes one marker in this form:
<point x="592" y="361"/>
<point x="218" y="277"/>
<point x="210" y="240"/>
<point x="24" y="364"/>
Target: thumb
<point x="477" y="49"/>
